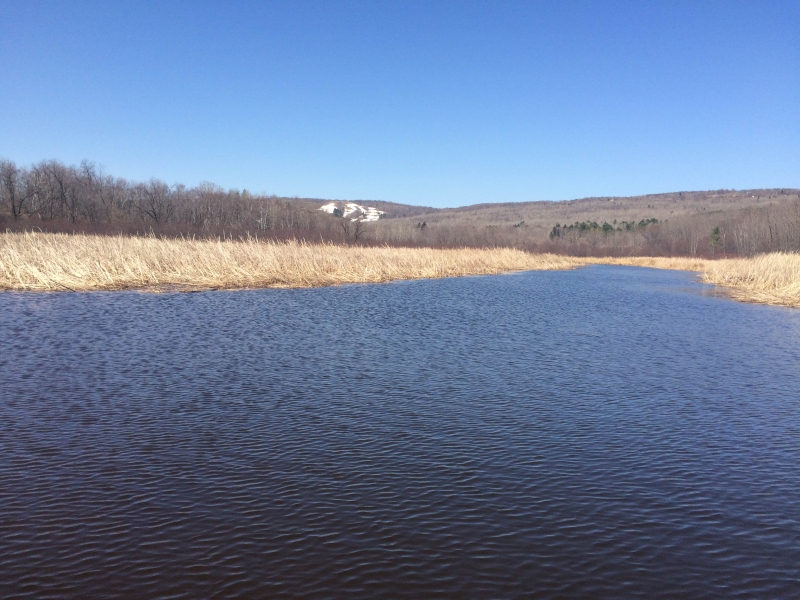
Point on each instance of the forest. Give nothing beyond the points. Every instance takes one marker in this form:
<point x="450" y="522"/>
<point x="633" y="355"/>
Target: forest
<point x="53" y="197"/>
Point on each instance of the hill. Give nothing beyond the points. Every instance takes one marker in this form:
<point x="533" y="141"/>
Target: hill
<point x="546" y="213"/>
<point x="50" y="196"/>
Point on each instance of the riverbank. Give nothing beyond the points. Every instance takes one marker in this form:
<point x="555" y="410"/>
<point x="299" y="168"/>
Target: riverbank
<point x="765" y="279"/>
<point x="52" y="262"/>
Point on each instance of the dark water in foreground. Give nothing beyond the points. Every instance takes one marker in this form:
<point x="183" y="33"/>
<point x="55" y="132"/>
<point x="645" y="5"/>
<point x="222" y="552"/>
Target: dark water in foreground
<point x="606" y="432"/>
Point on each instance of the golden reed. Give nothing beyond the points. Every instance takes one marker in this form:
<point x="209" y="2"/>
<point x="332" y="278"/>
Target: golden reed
<point x="39" y="261"/>
<point x="767" y="278"/>
<point x="44" y="261"/>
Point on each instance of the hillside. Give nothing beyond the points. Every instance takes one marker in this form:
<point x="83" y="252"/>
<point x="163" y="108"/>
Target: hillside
<point x="709" y="223"/>
<point x="51" y="196"/>
<point x="631" y="208"/>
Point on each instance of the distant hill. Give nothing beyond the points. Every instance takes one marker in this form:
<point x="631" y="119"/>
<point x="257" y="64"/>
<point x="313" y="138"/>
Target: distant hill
<point x="629" y="208"/>
<point x="708" y="223"/>
<point x="52" y="196"/>
<point x="546" y="213"/>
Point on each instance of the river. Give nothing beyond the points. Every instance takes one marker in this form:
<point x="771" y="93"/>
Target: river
<point x="604" y="432"/>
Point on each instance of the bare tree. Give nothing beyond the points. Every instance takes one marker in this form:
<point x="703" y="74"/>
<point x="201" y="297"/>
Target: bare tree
<point x="154" y="199"/>
<point x="344" y="224"/>
<point x="12" y="189"/>
<point x="358" y="230"/>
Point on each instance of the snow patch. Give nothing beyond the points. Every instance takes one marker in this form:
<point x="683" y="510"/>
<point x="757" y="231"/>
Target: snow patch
<point x="353" y="211"/>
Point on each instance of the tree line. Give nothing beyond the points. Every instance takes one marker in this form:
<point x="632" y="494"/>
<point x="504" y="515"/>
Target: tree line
<point x="740" y="232"/>
<point x="51" y="196"/>
<point x="743" y="232"/>
<point x="56" y="197"/>
<point x="583" y="226"/>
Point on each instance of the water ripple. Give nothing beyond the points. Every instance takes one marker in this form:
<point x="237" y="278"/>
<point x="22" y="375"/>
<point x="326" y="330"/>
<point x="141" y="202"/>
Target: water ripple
<point x="595" y="433"/>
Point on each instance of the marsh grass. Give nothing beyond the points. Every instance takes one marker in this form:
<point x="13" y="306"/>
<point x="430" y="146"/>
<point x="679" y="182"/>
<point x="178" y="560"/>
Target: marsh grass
<point x="37" y="261"/>
<point x="767" y="278"/>
<point x="47" y="261"/>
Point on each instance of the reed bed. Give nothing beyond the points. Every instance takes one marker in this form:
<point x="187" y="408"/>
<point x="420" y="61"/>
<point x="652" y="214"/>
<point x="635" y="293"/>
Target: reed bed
<point x="44" y="261"/>
<point x="53" y="262"/>
<point x="767" y="278"/>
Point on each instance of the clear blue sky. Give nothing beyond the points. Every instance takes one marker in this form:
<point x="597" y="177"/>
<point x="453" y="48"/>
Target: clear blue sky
<point x="435" y="103"/>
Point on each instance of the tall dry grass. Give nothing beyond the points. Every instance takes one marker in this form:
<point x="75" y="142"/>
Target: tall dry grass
<point x="45" y="261"/>
<point x="767" y="278"/>
<point x="41" y="261"/>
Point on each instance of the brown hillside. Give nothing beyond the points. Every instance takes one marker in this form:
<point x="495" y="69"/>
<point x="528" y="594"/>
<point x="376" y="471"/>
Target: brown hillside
<point x="633" y="208"/>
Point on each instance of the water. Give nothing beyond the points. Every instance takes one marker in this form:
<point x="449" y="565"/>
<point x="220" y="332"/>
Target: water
<point x="606" y="432"/>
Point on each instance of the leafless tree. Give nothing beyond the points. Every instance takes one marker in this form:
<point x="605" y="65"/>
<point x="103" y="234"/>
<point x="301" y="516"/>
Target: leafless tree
<point x="154" y="199"/>
<point x="13" y="190"/>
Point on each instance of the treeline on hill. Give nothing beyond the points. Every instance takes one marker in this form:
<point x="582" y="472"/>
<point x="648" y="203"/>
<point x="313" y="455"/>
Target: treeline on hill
<point x="742" y="232"/>
<point x="54" y="197"/>
<point x="51" y="196"/>
<point x="563" y="230"/>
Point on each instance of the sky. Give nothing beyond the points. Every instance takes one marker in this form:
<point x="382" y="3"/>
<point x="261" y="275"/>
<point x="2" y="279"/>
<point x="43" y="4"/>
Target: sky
<point x="430" y="103"/>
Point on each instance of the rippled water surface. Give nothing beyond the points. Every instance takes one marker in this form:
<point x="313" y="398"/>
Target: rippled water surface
<point x="606" y="432"/>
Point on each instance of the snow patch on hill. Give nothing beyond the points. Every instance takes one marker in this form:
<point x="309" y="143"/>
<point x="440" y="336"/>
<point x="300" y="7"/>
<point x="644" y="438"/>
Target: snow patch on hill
<point x="353" y="211"/>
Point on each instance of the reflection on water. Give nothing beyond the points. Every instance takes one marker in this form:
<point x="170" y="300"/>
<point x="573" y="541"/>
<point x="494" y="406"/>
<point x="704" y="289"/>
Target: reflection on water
<point x="594" y="433"/>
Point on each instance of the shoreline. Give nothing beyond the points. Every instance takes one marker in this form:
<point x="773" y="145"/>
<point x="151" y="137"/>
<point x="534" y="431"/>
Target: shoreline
<point x="61" y="262"/>
<point x="80" y="263"/>
<point x="772" y="279"/>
